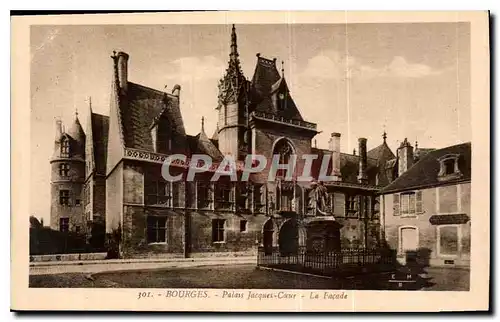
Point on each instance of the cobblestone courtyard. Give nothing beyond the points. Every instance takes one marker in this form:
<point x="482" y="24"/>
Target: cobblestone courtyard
<point x="241" y="276"/>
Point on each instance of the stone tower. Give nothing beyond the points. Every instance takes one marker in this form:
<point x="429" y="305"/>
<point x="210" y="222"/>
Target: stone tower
<point x="67" y="178"/>
<point x="233" y="106"/>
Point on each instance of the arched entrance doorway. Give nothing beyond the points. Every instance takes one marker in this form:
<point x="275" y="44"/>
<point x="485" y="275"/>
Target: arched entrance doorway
<point x="323" y="236"/>
<point x="289" y="238"/>
<point x="268" y="233"/>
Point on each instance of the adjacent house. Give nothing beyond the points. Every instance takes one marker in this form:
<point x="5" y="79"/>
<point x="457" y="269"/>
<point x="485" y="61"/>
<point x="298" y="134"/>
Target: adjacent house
<point x="425" y="211"/>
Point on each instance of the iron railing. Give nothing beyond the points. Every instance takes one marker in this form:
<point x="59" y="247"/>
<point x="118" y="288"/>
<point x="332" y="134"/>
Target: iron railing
<point x="346" y="261"/>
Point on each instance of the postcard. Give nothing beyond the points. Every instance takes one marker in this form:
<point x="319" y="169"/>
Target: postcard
<point x="251" y="161"/>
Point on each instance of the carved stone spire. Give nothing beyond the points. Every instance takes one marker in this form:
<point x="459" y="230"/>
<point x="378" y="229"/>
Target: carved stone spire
<point x="233" y="81"/>
<point x="234" y="45"/>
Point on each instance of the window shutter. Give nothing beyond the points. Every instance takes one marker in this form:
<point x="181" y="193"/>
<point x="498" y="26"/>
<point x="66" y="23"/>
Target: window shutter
<point x="418" y="204"/>
<point x="396" y="204"/>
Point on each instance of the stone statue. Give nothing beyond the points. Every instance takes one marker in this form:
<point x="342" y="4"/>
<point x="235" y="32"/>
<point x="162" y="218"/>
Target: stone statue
<point x="319" y="199"/>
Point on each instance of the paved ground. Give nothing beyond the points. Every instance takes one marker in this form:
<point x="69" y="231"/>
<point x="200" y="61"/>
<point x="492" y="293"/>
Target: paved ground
<point x="91" y="267"/>
<point x="241" y="276"/>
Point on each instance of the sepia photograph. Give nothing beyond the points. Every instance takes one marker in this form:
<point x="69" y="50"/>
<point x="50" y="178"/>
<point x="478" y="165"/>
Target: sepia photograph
<point x="270" y="160"/>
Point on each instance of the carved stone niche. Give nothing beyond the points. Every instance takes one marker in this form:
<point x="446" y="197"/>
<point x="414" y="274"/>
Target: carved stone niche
<point x="449" y="167"/>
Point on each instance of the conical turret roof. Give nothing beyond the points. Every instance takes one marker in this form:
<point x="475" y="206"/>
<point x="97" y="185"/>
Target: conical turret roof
<point x="76" y="131"/>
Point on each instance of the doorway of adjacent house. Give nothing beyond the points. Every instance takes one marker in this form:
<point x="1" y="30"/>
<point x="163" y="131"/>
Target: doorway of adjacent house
<point x="409" y="240"/>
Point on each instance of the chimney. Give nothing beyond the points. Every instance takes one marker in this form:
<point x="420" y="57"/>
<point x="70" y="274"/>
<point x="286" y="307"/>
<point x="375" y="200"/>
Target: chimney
<point x="176" y="90"/>
<point x="362" y="177"/>
<point x="334" y="146"/>
<point x="59" y="129"/>
<point x="122" y="66"/>
<point x="405" y="157"/>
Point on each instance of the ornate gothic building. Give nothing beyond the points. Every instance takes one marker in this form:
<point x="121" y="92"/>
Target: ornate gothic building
<point x="113" y="173"/>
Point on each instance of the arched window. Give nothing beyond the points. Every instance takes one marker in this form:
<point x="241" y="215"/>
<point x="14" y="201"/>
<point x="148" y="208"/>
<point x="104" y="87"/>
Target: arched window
<point x="65" y="148"/>
<point x="284" y="149"/>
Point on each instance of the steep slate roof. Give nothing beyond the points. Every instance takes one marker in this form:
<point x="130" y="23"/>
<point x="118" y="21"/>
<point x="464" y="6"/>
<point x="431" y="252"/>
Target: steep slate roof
<point x="100" y="128"/>
<point x="265" y="81"/>
<point x="381" y="152"/>
<point x="201" y="144"/>
<point x="141" y="109"/>
<point x="349" y="166"/>
<point x="424" y="173"/>
<point x="421" y="152"/>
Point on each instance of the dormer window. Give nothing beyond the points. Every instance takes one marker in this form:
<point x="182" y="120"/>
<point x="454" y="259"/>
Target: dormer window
<point x="65" y="148"/>
<point x="449" y="169"/>
<point x="161" y="134"/>
<point x="449" y="166"/>
<point x="282" y="101"/>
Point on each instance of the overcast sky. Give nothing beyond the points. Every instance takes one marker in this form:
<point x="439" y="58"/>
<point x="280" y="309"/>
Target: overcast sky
<point x="413" y="79"/>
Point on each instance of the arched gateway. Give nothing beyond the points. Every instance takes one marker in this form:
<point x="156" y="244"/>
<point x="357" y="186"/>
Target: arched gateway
<point x="268" y="233"/>
<point x="289" y="238"/>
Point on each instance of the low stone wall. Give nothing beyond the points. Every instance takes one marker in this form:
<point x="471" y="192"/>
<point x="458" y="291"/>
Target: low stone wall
<point x="67" y="257"/>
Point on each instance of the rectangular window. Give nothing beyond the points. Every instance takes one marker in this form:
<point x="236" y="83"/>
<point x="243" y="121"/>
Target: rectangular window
<point x="65" y="148"/>
<point x="218" y="230"/>
<point x="408" y="203"/>
<point x="64" y="170"/>
<point x="259" y="198"/>
<point x="242" y="196"/>
<point x="448" y="240"/>
<point x="223" y="196"/>
<point x="352" y="206"/>
<point x="64" y="197"/>
<point x="157" y="229"/>
<point x="404" y="204"/>
<point x="64" y="224"/>
<point x="286" y="200"/>
<point x="204" y="194"/>
<point x="159" y="193"/>
<point x="243" y="226"/>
